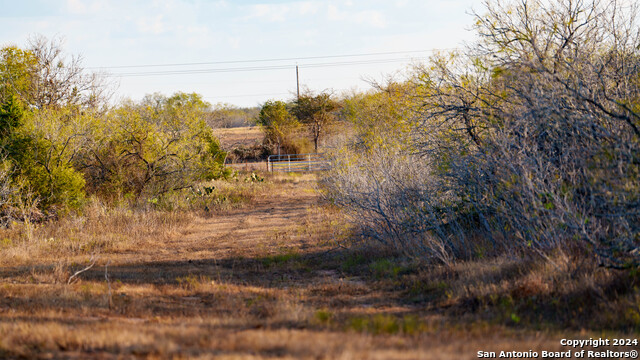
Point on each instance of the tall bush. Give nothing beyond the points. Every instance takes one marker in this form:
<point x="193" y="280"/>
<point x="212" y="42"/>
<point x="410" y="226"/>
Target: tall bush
<point x="154" y="147"/>
<point x="281" y="129"/>
<point x="531" y="136"/>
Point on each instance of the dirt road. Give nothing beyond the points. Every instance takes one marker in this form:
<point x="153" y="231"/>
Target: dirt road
<point x="261" y="281"/>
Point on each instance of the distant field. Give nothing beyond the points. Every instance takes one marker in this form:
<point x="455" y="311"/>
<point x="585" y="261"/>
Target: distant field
<point x="240" y="136"/>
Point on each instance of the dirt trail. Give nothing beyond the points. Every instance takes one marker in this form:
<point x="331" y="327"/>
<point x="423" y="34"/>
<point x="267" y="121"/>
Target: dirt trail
<point x="261" y="281"/>
<point x="252" y="230"/>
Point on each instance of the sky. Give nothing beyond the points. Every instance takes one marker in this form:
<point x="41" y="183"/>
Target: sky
<point x="242" y="52"/>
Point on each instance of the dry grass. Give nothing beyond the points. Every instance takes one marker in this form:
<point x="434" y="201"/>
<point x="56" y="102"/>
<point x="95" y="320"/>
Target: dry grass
<point x="241" y="136"/>
<point x="268" y="279"/>
<point x="99" y="230"/>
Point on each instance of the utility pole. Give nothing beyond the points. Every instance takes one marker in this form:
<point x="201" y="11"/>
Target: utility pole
<point x="297" y="82"/>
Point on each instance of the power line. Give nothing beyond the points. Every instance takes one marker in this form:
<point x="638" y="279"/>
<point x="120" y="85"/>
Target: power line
<point x="271" y="60"/>
<point x="247" y="95"/>
<point x="260" y="68"/>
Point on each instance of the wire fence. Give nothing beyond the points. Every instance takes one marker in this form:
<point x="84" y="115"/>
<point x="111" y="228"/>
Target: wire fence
<point x="297" y="163"/>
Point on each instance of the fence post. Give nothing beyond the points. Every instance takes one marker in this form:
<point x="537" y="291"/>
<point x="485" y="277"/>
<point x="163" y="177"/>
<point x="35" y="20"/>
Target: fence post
<point x="289" y="160"/>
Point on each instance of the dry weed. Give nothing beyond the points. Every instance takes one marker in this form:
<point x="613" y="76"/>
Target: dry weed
<point x="268" y="279"/>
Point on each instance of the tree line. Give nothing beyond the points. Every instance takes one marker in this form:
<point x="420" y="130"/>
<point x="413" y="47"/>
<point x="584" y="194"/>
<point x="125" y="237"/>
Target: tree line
<point x="60" y="140"/>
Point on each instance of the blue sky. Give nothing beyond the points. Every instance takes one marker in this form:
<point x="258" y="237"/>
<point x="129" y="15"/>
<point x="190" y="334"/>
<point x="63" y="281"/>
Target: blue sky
<point x="110" y="34"/>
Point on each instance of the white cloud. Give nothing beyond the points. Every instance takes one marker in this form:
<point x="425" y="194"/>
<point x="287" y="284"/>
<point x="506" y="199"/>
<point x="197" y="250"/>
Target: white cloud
<point x="153" y="25"/>
<point x="307" y="7"/>
<point x="76" y="6"/>
<point x="334" y="14"/>
<point x="372" y="18"/>
<point x="282" y="12"/>
<point x="268" y="12"/>
<point x="83" y="7"/>
<point x="221" y="4"/>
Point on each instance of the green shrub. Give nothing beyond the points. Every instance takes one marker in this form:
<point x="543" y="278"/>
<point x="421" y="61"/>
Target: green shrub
<point x="41" y="153"/>
<point x="60" y="139"/>
<point x="159" y="145"/>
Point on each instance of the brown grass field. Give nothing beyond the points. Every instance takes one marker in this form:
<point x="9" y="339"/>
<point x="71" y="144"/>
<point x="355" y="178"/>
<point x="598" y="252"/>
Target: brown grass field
<point x="268" y="277"/>
<point x="239" y="136"/>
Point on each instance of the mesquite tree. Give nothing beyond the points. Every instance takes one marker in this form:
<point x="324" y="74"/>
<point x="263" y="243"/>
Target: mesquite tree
<point x="278" y="124"/>
<point x="317" y="112"/>
<point x="528" y="140"/>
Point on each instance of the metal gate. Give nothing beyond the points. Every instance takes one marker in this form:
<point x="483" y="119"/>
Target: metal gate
<point x="297" y="162"/>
